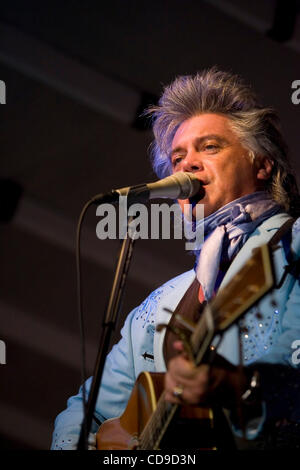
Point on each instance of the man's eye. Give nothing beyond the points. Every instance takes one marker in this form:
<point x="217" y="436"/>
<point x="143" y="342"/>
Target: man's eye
<point x="176" y="160"/>
<point x="211" y="147"/>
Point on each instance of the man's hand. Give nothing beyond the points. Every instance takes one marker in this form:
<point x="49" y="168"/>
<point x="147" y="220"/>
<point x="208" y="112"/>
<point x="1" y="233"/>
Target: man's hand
<point x="220" y="383"/>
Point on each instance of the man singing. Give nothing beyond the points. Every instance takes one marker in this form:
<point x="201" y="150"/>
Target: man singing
<point x="212" y="125"/>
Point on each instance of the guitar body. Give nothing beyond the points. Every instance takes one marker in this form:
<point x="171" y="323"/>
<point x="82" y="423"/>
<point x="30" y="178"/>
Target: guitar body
<point x="123" y="433"/>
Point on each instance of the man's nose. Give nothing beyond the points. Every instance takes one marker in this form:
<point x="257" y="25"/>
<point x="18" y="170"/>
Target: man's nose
<point x="192" y="162"/>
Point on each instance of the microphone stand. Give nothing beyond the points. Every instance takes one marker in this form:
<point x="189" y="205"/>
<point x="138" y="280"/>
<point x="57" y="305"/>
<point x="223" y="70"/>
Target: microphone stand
<point x="109" y="324"/>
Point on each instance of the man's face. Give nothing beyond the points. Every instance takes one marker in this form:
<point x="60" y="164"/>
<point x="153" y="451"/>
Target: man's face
<point x="206" y="146"/>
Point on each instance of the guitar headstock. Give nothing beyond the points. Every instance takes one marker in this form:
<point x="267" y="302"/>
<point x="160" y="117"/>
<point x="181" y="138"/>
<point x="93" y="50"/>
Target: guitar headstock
<point x="249" y="285"/>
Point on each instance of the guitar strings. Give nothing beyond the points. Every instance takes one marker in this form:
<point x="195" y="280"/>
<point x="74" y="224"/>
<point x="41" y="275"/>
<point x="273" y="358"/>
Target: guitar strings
<point x="152" y="432"/>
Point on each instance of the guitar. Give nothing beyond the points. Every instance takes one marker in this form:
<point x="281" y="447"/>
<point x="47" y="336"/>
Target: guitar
<point x="148" y="417"/>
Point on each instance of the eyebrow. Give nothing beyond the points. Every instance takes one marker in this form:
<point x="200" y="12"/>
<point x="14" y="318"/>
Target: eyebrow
<point x="200" y="140"/>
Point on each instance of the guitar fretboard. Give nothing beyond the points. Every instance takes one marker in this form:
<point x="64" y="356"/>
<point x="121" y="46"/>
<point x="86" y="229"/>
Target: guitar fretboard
<point x="155" y="428"/>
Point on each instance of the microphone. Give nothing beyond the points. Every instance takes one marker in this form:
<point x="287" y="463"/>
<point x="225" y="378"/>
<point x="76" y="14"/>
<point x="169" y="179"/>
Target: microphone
<point x="181" y="185"/>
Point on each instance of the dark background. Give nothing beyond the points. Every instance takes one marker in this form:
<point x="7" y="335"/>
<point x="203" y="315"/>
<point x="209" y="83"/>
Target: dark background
<point x="77" y="75"/>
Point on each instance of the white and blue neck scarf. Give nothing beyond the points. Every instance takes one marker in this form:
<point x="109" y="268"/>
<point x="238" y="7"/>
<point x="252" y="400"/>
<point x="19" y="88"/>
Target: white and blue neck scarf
<point x="226" y="231"/>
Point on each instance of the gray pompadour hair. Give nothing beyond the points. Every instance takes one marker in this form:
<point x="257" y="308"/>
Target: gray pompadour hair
<point x="258" y="127"/>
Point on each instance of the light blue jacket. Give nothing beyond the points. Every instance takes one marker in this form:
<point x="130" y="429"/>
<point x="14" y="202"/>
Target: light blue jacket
<point x="269" y="339"/>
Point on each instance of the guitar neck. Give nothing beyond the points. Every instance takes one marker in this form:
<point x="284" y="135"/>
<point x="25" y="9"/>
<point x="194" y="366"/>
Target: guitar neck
<point x="157" y="425"/>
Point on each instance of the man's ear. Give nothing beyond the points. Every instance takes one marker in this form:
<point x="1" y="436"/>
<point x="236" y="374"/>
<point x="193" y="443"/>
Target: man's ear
<point x="264" y="168"/>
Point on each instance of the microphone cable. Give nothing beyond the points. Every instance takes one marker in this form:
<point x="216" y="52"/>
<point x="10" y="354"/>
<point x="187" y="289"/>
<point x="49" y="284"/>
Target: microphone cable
<point x="81" y="317"/>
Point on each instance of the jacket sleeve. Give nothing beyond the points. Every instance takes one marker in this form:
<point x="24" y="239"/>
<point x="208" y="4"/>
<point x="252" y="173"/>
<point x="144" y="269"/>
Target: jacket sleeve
<point x="116" y="385"/>
<point x="280" y="369"/>
<point x="130" y="356"/>
<point x="279" y="372"/>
